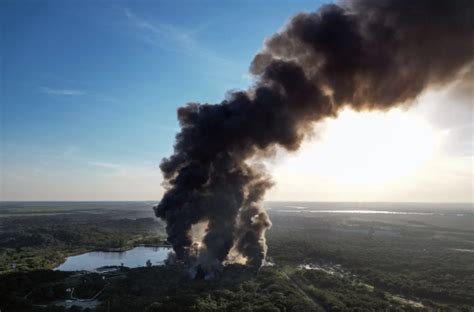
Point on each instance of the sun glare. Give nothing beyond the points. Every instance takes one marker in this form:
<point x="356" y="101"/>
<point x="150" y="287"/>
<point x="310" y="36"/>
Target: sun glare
<point x="370" y="147"/>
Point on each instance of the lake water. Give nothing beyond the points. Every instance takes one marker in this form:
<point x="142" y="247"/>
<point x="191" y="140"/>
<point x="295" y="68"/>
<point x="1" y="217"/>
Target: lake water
<point x="133" y="258"/>
<point x="300" y="208"/>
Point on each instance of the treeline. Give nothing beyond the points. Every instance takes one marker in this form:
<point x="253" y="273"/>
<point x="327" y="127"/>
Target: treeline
<point x="169" y="288"/>
<point x="415" y="262"/>
<point x="42" y="242"/>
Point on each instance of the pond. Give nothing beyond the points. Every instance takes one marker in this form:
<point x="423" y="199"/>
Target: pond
<point x="133" y="258"/>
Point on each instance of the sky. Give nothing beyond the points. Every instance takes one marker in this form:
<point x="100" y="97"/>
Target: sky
<point x="89" y="92"/>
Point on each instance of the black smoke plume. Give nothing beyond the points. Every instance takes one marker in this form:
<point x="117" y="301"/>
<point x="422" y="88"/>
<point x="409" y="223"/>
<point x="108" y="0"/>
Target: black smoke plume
<point x="366" y="55"/>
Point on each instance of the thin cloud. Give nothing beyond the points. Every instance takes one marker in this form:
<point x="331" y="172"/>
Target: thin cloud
<point x="108" y="99"/>
<point x="181" y="37"/>
<point x="174" y="38"/>
<point x="61" y="92"/>
<point x="68" y="152"/>
<point x="125" y="170"/>
<point x="105" y="165"/>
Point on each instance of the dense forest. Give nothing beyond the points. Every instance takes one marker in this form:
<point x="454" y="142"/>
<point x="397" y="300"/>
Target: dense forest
<point x="43" y="238"/>
<point x="316" y="262"/>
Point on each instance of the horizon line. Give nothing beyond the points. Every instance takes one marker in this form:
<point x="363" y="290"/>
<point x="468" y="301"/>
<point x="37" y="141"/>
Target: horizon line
<point x="275" y="201"/>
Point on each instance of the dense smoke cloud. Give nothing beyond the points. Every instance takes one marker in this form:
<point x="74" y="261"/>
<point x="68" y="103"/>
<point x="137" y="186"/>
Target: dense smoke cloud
<point x="367" y="55"/>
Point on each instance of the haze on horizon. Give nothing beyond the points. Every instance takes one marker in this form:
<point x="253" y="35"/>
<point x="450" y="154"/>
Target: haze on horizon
<point x="92" y="110"/>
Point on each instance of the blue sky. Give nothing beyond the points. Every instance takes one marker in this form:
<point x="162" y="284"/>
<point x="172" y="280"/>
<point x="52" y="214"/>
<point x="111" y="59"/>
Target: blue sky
<point x="89" y="92"/>
<point x="92" y="85"/>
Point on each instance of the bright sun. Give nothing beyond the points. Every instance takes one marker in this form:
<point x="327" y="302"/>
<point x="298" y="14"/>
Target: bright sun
<point x="367" y="148"/>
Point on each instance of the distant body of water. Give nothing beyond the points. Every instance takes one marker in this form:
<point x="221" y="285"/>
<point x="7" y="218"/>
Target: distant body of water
<point x="374" y="208"/>
<point x="144" y="208"/>
<point x="365" y="211"/>
<point x="133" y="258"/>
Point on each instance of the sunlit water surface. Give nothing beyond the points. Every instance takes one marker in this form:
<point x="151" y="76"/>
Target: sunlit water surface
<point x="133" y="258"/>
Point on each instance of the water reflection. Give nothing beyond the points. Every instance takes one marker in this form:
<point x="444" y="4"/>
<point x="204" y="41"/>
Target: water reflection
<point x="136" y="257"/>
